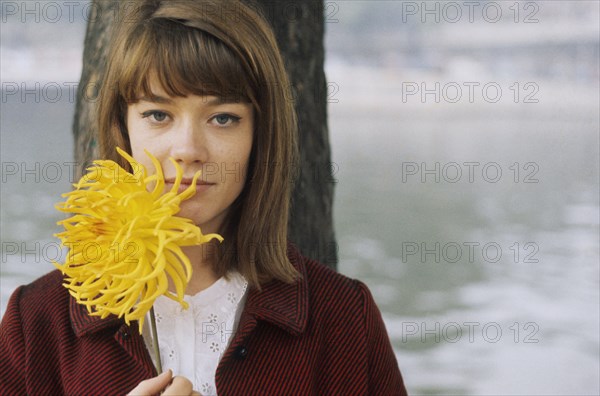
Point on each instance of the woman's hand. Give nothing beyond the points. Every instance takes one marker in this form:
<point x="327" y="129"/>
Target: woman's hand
<point x="165" y="385"/>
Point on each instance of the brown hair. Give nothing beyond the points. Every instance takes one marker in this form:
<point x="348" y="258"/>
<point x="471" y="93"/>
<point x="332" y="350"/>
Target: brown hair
<point x="224" y="49"/>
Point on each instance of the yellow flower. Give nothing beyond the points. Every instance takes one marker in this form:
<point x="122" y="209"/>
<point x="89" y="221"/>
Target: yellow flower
<point x="124" y="239"/>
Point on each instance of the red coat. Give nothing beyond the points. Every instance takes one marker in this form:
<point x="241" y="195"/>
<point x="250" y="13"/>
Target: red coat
<point x="321" y="335"/>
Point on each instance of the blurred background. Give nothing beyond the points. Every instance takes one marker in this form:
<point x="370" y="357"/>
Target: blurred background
<point x="465" y="140"/>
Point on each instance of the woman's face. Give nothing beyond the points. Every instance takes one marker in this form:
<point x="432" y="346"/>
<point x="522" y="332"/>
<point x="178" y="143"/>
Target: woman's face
<point x="200" y="133"/>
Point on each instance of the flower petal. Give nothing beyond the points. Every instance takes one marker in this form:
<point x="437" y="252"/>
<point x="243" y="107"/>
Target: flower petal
<point x="125" y="239"/>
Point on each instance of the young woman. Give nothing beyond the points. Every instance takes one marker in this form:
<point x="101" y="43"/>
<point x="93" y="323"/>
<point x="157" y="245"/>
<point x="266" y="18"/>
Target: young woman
<point x="203" y="82"/>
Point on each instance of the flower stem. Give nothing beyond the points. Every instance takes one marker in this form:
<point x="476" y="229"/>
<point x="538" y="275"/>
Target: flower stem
<point x="155" y="340"/>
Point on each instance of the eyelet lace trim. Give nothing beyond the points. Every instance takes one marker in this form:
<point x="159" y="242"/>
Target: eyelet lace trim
<point x="193" y="341"/>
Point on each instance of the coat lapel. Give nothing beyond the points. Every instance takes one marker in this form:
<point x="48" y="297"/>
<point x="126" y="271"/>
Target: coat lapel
<point x="281" y="304"/>
<point x="83" y="323"/>
<point x="127" y="336"/>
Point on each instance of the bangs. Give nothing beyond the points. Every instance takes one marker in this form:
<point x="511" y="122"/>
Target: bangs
<point x="184" y="61"/>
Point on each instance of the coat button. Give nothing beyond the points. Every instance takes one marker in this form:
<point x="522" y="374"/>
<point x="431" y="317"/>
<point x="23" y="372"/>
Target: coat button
<point x="125" y="334"/>
<point x="241" y="352"/>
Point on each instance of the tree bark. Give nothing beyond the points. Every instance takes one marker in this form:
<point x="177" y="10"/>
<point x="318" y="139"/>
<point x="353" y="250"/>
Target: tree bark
<point x="95" y="53"/>
<point x="299" y="28"/>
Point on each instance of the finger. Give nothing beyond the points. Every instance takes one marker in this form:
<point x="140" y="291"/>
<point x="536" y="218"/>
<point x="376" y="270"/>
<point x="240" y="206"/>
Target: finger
<point x="153" y="385"/>
<point x="179" y="386"/>
<point x="194" y="393"/>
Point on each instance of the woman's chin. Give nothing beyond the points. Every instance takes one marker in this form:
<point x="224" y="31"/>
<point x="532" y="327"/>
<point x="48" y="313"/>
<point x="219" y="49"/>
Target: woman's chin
<point x="187" y="210"/>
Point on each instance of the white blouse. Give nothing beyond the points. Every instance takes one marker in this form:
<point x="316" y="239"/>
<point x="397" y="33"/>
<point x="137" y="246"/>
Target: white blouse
<point x="193" y="341"/>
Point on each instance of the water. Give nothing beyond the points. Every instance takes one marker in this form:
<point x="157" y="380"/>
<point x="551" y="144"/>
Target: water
<point x="37" y="151"/>
<point x="507" y="301"/>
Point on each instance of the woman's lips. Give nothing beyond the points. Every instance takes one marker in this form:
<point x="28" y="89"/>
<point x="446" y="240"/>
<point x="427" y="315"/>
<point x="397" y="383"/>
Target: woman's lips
<point x="201" y="186"/>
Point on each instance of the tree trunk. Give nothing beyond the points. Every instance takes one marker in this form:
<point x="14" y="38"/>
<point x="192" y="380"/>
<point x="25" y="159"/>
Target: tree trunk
<point x="95" y="53"/>
<point x="299" y="28"/>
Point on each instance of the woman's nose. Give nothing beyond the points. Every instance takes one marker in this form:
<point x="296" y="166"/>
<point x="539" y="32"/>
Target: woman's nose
<point x="188" y="144"/>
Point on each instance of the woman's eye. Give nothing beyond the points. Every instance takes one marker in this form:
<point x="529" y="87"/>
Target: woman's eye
<point x="225" y="119"/>
<point x="154" y="115"/>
